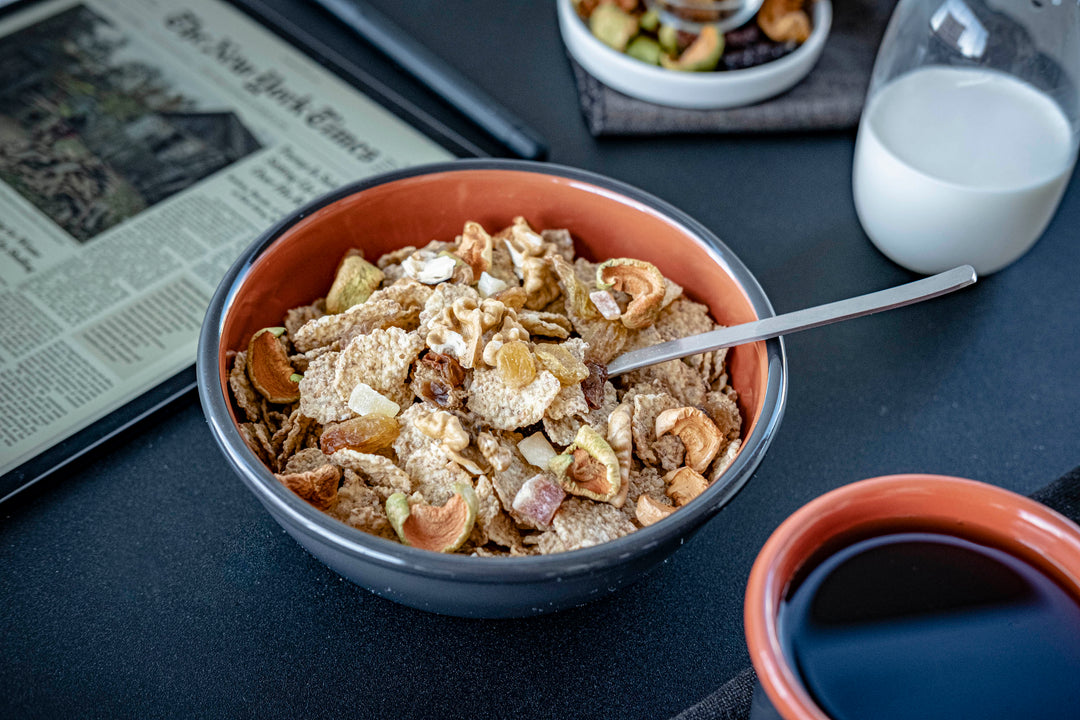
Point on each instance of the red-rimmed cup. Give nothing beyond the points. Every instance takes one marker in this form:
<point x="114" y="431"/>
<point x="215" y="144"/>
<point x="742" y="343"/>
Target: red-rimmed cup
<point x="966" y="509"/>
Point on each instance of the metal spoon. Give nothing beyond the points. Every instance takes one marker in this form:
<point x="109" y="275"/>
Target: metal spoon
<point x="908" y="294"/>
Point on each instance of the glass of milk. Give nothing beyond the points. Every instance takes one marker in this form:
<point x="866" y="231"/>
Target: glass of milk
<point x="970" y="130"/>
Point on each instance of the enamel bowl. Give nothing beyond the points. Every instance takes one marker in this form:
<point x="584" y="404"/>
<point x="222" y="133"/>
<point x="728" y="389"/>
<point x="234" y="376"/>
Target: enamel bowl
<point x="293" y="263"/>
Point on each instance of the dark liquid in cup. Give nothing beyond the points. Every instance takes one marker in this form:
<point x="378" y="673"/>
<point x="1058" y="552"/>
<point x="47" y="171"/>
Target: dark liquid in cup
<point x="922" y="625"/>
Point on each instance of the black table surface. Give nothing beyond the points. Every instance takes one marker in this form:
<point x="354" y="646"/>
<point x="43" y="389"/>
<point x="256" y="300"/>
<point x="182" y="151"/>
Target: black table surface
<point x="147" y="581"/>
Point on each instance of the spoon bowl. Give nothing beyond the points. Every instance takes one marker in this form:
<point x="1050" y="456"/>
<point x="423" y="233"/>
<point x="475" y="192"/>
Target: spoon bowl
<point x="899" y="296"/>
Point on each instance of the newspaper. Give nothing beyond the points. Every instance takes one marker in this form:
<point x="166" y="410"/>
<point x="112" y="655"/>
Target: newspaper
<point x="143" y="145"/>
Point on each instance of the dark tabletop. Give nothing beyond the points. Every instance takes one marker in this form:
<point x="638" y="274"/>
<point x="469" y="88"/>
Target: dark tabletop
<point x="147" y="581"/>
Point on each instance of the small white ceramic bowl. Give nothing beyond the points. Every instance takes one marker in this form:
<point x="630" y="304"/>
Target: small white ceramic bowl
<point x="699" y="91"/>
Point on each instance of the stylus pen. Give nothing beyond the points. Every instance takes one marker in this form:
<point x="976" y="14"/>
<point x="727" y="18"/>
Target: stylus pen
<point x="439" y="77"/>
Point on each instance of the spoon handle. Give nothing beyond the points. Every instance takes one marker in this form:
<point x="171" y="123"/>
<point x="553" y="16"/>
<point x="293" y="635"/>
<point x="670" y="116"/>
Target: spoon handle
<point x="907" y="294"/>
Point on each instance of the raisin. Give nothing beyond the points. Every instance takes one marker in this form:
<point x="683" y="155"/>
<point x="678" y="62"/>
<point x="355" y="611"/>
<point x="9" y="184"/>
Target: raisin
<point x="516" y="364"/>
<point x="755" y="54"/>
<point x="742" y="37"/>
<point x="447" y="366"/>
<point x="593" y="386"/>
<point x="365" y="434"/>
<point x="438" y="393"/>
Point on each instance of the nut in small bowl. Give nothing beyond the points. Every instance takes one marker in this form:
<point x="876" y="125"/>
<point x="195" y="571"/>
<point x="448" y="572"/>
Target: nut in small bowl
<point x="658" y="52"/>
<point x="405" y="558"/>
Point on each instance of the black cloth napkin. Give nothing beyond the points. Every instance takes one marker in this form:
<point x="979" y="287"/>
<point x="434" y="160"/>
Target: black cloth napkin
<point x="732" y="700"/>
<point x="830" y="97"/>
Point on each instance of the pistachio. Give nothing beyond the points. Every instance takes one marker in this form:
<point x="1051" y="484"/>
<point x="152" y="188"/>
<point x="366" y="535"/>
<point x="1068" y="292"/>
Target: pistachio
<point x="269" y="369"/>
<point x="588" y="467"/>
<point x="475" y="248"/>
<point x="644" y="49"/>
<point x="354" y="282"/>
<point x="650" y="20"/>
<point x="668" y="35"/>
<point x="698" y="433"/>
<point x="702" y="55"/>
<point x="318" y="486"/>
<point x="438" y="528"/>
<point x="642" y="281"/>
<point x="649" y="511"/>
<point x="613" y="26"/>
<point x="684" y="484"/>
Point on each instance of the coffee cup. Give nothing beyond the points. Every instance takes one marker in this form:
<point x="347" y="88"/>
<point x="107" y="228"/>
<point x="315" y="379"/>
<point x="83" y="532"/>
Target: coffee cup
<point x="882" y="598"/>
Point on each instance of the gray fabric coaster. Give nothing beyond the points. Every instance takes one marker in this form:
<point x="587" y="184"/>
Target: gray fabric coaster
<point x="830" y="97"/>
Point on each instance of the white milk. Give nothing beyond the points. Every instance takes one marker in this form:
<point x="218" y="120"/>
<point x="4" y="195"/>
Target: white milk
<point x="959" y="165"/>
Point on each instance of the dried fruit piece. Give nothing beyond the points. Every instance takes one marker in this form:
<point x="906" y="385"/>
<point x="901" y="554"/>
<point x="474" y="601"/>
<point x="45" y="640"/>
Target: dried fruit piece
<point x="698" y="433"/>
<point x="365" y="434"/>
<point x="642" y="281"/>
<point x="593" y="385"/>
<point x="649" y="511"/>
<point x="538" y="499"/>
<point x="510" y="332"/>
<point x="319" y="486"/>
<point x="605" y="303"/>
<point x="684" y="484"/>
<point x="588" y="467"/>
<point x="561" y="363"/>
<point x="516" y="365"/>
<point x="365" y="400"/>
<point x="784" y="20"/>
<point x="354" y="282"/>
<point x="438" y="528"/>
<point x="447" y="366"/>
<point x="536" y="450"/>
<point x="269" y="369"/>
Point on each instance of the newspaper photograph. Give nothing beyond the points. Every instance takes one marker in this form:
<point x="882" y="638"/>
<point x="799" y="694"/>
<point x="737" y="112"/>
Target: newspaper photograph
<point x="143" y="145"/>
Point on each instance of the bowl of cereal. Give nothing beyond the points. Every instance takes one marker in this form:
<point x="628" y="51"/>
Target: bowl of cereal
<point x="409" y="374"/>
<point x="692" y="53"/>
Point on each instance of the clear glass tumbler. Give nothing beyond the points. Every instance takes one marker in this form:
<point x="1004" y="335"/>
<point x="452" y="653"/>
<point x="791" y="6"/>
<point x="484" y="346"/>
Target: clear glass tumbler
<point x="970" y="130"/>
